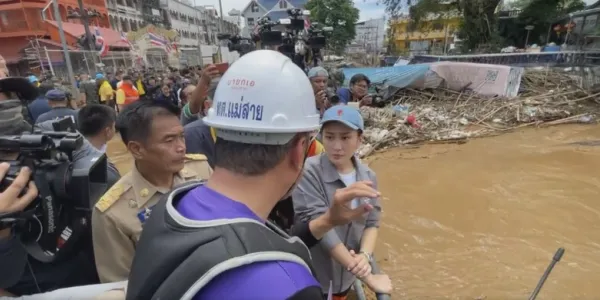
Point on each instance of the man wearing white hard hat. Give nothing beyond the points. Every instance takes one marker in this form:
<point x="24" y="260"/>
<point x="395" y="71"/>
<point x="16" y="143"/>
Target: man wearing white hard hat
<point x="211" y="240"/>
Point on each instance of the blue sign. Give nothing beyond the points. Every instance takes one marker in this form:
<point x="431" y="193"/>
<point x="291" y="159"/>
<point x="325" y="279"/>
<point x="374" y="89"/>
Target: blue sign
<point x="244" y="111"/>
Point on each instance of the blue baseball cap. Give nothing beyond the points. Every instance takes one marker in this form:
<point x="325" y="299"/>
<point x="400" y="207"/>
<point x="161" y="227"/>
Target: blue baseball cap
<point x="56" y="94"/>
<point x="33" y="78"/>
<point x="344" y="114"/>
<point x="99" y="76"/>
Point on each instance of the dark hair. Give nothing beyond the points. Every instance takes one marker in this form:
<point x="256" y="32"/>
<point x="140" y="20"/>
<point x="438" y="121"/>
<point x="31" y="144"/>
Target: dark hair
<point x="135" y="120"/>
<point x="93" y="118"/>
<point x="358" y="78"/>
<point x="250" y="159"/>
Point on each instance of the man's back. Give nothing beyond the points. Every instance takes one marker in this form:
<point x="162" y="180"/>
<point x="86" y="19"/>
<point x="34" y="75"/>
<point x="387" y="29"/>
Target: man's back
<point x="38" y="107"/>
<point x="90" y="89"/>
<point x="56" y="114"/>
<point x="266" y="280"/>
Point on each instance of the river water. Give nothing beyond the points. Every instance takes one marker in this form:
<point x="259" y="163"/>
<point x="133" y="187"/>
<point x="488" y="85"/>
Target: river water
<point x="482" y="220"/>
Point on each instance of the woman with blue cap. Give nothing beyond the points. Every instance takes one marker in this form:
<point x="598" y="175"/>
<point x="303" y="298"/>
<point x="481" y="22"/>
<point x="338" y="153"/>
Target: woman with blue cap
<point x="342" y="127"/>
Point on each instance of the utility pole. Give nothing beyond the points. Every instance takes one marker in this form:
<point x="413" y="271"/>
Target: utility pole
<point x="84" y="16"/>
<point x="63" y="41"/>
<point x="86" y="25"/>
<point x="220" y="30"/>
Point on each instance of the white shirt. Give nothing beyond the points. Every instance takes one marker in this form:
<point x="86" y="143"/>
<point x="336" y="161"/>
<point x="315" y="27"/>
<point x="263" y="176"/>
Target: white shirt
<point x="348" y="180"/>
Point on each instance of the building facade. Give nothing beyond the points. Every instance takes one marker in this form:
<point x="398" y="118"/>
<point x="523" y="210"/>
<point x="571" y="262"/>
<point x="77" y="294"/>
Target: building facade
<point x="131" y="15"/>
<point x="370" y="36"/>
<point x="198" y="27"/>
<point x="431" y="35"/>
<point x="274" y="9"/>
<point x="29" y="24"/>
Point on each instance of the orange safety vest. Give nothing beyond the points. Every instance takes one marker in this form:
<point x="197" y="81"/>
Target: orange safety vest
<point x="131" y="95"/>
<point x="315" y="147"/>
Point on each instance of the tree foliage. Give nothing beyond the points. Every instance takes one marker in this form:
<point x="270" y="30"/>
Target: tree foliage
<point x="339" y="14"/>
<point x="540" y="14"/>
<point x="479" y="20"/>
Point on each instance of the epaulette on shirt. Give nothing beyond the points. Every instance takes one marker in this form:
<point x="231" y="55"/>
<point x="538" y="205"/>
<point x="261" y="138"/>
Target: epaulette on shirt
<point x="111" y="196"/>
<point x="198" y="157"/>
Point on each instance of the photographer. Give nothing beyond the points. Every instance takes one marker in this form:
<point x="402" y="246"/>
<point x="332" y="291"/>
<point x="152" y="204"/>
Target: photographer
<point x="21" y="273"/>
<point x="358" y="91"/>
<point x="12" y="254"/>
<point x="318" y="77"/>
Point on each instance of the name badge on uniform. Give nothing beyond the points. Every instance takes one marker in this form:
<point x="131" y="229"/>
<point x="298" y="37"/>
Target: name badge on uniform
<point x="144" y="214"/>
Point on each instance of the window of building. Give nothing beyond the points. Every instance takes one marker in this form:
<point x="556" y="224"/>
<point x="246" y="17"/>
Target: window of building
<point x="282" y="4"/>
<point x="250" y="22"/>
<point x="254" y="7"/>
<point x="438" y="26"/>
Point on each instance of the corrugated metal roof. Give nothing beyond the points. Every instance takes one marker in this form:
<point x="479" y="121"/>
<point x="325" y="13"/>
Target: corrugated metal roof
<point x="400" y="76"/>
<point x="267" y="4"/>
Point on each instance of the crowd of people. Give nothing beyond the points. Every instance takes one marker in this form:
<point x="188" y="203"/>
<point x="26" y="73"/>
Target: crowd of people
<point x="212" y="164"/>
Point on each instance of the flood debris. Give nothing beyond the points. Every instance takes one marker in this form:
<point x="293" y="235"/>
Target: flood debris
<point x="416" y="116"/>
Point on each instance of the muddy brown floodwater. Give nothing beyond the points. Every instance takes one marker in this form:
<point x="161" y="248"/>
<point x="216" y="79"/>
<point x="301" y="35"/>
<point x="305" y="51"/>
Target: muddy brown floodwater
<point x="482" y="220"/>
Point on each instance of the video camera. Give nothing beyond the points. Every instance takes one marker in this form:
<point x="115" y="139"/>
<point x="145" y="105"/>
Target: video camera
<point x="316" y="35"/>
<point x="57" y="219"/>
<point x="237" y="43"/>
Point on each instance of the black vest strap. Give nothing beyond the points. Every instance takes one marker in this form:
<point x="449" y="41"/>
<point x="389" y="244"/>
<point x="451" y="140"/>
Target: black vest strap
<point x="175" y="254"/>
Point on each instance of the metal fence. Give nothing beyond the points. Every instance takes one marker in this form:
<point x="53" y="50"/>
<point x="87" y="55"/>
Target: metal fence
<point x="581" y="65"/>
<point x="550" y="59"/>
<point x="90" y="61"/>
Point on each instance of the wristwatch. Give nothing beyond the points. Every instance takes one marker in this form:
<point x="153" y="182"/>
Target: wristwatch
<point x="367" y="255"/>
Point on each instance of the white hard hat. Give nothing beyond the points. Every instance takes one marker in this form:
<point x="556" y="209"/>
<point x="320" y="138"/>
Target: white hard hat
<point x="263" y="98"/>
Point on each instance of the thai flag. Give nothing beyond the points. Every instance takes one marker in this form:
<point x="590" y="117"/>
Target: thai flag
<point x="124" y="39"/>
<point x="100" y="40"/>
<point x="157" y="40"/>
<point x="306" y="23"/>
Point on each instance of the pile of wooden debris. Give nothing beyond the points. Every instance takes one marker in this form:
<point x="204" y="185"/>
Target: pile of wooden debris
<point x="417" y="116"/>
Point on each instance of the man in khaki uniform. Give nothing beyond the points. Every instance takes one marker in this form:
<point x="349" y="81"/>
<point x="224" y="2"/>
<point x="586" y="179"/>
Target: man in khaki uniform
<point x="160" y="164"/>
<point x="118" y="217"/>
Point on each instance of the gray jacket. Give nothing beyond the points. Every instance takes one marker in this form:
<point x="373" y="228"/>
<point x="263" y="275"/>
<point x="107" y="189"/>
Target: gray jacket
<point x="312" y="197"/>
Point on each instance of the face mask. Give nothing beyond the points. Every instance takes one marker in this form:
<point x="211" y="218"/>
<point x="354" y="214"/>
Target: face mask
<point x="11" y="117"/>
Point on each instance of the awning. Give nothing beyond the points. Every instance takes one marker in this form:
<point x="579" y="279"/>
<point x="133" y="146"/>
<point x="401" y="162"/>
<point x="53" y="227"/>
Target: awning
<point x="111" y="37"/>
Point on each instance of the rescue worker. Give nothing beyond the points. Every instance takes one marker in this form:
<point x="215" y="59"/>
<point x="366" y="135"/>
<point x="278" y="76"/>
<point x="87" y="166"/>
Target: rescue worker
<point x="209" y="241"/>
<point x="199" y="137"/>
<point x="153" y="134"/>
<point x="126" y="93"/>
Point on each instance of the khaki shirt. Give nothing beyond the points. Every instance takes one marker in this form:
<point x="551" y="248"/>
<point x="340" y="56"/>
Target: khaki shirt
<point x="119" y="215"/>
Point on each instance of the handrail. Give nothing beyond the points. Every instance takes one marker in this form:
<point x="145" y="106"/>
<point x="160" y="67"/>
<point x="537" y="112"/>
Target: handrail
<point x="358" y="284"/>
<point x="508" y="54"/>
